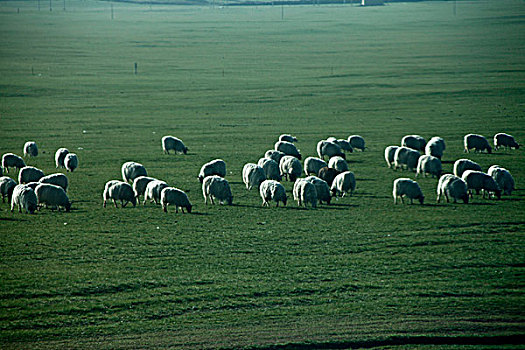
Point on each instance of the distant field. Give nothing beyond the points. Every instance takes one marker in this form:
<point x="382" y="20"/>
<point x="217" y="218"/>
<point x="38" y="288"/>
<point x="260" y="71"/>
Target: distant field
<point x="227" y="81"/>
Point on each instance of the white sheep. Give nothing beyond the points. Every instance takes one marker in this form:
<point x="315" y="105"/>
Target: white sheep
<point x="343" y="183"/>
<point x="7" y="185"/>
<point x="305" y="192"/>
<point x="217" y="187"/>
<point x="119" y="191"/>
<point x="404" y="187"/>
<point x="52" y="196"/>
<point x="214" y="167"/>
<point x="330" y="149"/>
<point x="503" y="178"/>
<point x="60" y="155"/>
<point x="414" y="141"/>
<point x="287" y="138"/>
<point x="71" y="162"/>
<point x="176" y="197"/>
<point x="345" y="145"/>
<point x="290" y="168"/>
<point x="274" y="155"/>
<point x="271" y="169"/>
<point x="357" y="142"/>
<point x="57" y="179"/>
<point x="505" y="140"/>
<point x="30" y="149"/>
<point x="338" y="163"/>
<point x="477" y="180"/>
<point x="139" y="185"/>
<point x="406" y="157"/>
<point x="390" y="152"/>
<point x="272" y="190"/>
<point x="453" y="187"/>
<point x="328" y="174"/>
<point x="24" y="197"/>
<point x="29" y="174"/>
<point x="10" y="160"/>
<point x="287" y="148"/>
<point x="132" y="170"/>
<point x="153" y="191"/>
<point x="252" y="175"/>
<point x="33" y="184"/>
<point x="322" y="188"/>
<point x="105" y="194"/>
<point x="429" y="165"/>
<point x="312" y="165"/>
<point x="461" y="165"/>
<point x="171" y="143"/>
<point x="435" y="147"/>
<point x="476" y="142"/>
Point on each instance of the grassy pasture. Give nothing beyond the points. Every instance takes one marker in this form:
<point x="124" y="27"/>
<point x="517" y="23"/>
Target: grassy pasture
<point x="361" y="272"/>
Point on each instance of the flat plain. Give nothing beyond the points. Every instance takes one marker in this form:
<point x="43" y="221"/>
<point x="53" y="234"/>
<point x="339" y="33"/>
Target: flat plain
<point x="361" y="272"/>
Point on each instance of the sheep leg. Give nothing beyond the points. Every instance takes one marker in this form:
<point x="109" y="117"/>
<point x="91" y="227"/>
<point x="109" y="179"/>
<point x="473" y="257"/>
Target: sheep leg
<point x="165" y="208"/>
<point x="124" y="204"/>
<point x="211" y="199"/>
<point x="177" y="209"/>
<point x="104" y="204"/>
<point x="115" y="202"/>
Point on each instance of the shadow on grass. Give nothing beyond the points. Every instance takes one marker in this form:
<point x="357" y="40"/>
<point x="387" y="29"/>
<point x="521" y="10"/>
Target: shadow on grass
<point x="11" y="219"/>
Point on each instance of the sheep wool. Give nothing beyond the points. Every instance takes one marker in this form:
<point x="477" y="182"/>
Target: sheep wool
<point x="252" y="175"/>
<point x="322" y="188"/>
<point x="216" y="187"/>
<point x="406" y="157"/>
<point x="24" y="198"/>
<point x="139" y="185"/>
<point x="461" y="165"/>
<point x="153" y="191"/>
<point x="505" y="140"/>
<point x="330" y="149"/>
<point x="404" y="187"/>
<point x="287" y="148"/>
<point x="451" y="186"/>
<point x="71" y="162"/>
<point x="271" y="190"/>
<point x="274" y="155"/>
<point x="429" y="165"/>
<point x="503" y="178"/>
<point x="357" y="142"/>
<point x="338" y="163"/>
<point x="343" y="183"/>
<point x="30" y="149"/>
<point x="479" y="181"/>
<point x="7" y="185"/>
<point x="390" y="152"/>
<point x="57" y="179"/>
<point x="52" y="196"/>
<point x="271" y="169"/>
<point x="29" y="174"/>
<point x="10" y="160"/>
<point x="175" y="197"/>
<point x="290" y="168"/>
<point x="287" y="138"/>
<point x="214" y="167"/>
<point x="312" y="165"/>
<point x="414" y="141"/>
<point x="60" y="155"/>
<point x="435" y="147"/>
<point x="172" y="143"/>
<point x="120" y="191"/>
<point x="477" y="143"/>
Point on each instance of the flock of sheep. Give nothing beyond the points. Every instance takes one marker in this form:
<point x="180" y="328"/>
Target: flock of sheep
<point x="323" y="180"/>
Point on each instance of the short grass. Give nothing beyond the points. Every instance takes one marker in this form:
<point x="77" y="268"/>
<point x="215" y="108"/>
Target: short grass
<point x="228" y="81"/>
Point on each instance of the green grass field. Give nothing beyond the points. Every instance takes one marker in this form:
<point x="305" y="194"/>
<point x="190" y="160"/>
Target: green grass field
<point x="228" y="81"/>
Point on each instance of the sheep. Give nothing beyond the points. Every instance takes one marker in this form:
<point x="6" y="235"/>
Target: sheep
<point x="345" y="145"/>
<point x="60" y="154"/>
<point x="328" y="174"/>
<point x="33" y="184"/>
<point x="407" y="157"/>
<point x="287" y="148"/>
<point x="24" y="197"/>
<point x="312" y="165"/>
<point x="274" y="155"/>
<point x="305" y="192"/>
<point x="57" y="179"/>
<point x="30" y="149"/>
<point x="409" y="188"/>
<point x="357" y="142"/>
<point x="214" y="186"/>
<point x="338" y="164"/>
<point x="29" y="174"/>
<point x="139" y="185"/>
<point x="214" y="167"/>
<point x="503" y="178"/>
<point x="272" y="190"/>
<point x="105" y="194"/>
<point x="343" y="183"/>
<point x="132" y="170"/>
<point x="7" y="185"/>
<point x="53" y="196"/>
<point x="10" y="160"/>
<point x="453" y="187"/>
<point x="153" y="191"/>
<point x="176" y="197"/>
<point x="414" y="141"/>
<point x="435" y="147"/>
<point x="71" y="162"/>
<point x="271" y="169"/>
<point x="476" y="142"/>
<point x="287" y="138"/>
<point x="429" y="165"/>
<point x="477" y="180"/>
<point x="119" y="190"/>
<point x="505" y="140"/>
<point x="461" y="165"/>
<point x="390" y="152"/>
<point x="252" y="175"/>
<point x="330" y="149"/>
<point x="172" y="143"/>
<point x="290" y="168"/>
<point x="322" y="188"/>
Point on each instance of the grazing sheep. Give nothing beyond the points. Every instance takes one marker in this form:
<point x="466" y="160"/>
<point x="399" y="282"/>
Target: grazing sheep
<point x="33" y="184"/>
<point x="435" y="147"/>
<point x="305" y="192"/>
<point x="57" y="179"/>
<point x="71" y="162"/>
<point x="343" y="183"/>
<point x="139" y="185"/>
<point x="29" y="174"/>
<point x="409" y="188"/>
<point x="271" y="169"/>
<point x="312" y="165"/>
<point x="476" y="142"/>
<point x="60" y="155"/>
<point x="274" y="155"/>
<point x="252" y="175"/>
<point x="287" y="138"/>
<point x="330" y="149"/>
<point x="453" y="187"/>
<point x="322" y="188"/>
<point x="461" y="165"/>
<point x="171" y="143"/>
<point x="503" y="178"/>
<point x="105" y="194"/>
<point x="338" y="164"/>
<point x="505" y="140"/>
<point x="290" y="168"/>
<point x="414" y="141"/>
<point x="52" y="196"/>
<point x="176" y="197"/>
<point x="24" y="197"/>
<point x="328" y="174"/>
<point x="30" y="149"/>
<point x="118" y="190"/>
<point x="272" y="190"/>
<point x="345" y="145"/>
<point x="477" y="180"/>
<point x="153" y="191"/>
<point x="406" y="157"/>
<point x="214" y="167"/>
<point x="288" y="149"/>
<point x="132" y="170"/>
<point x="10" y="160"/>
<point x="7" y="185"/>
<point x="429" y="165"/>
<point x="217" y="187"/>
<point x="357" y="142"/>
<point x="390" y="152"/>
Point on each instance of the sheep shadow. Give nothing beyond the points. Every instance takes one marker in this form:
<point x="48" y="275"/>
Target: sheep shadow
<point x="12" y="219"/>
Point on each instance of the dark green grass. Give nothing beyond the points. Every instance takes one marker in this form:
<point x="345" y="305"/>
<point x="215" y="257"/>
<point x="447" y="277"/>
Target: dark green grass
<point x="361" y="272"/>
